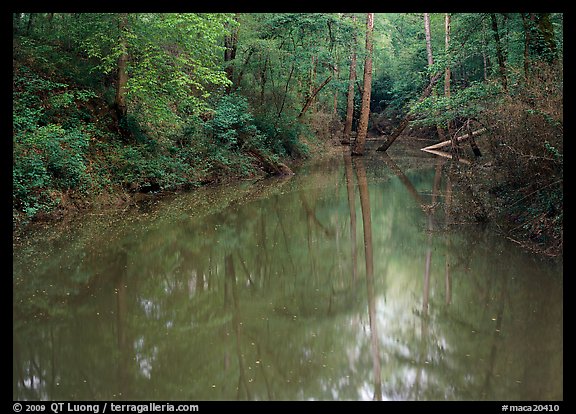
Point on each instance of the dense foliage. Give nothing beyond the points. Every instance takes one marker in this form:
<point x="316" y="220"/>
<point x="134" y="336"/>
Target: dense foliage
<point x="108" y="104"/>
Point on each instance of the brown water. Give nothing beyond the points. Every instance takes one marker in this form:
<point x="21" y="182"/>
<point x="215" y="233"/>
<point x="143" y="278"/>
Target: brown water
<point x="340" y="283"/>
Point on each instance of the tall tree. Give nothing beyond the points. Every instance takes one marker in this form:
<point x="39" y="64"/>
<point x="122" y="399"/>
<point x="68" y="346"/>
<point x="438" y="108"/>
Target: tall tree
<point x="367" y="89"/>
<point x="122" y="72"/>
<point x="527" y="37"/>
<point x="485" y="58"/>
<point x="499" y="51"/>
<point x="447" y="76"/>
<point x="351" y="82"/>
<point x="312" y="96"/>
<point x="428" y="35"/>
<point x="539" y="39"/>
<point x="336" y="75"/>
<point x="29" y="26"/>
<point x="230" y="44"/>
<point x="547" y="45"/>
<point x="447" y="72"/>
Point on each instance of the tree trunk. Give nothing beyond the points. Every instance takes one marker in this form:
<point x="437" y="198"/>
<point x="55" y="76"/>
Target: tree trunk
<point x="473" y="144"/>
<point x="29" y="26"/>
<point x="350" y="97"/>
<point x="428" y="39"/>
<point x="230" y="44"/>
<point x="447" y="74"/>
<point x="16" y="22"/>
<point x="286" y="89"/>
<point x="499" y="52"/>
<point x="336" y="76"/>
<point x="526" y="47"/>
<point x="241" y="74"/>
<point x="485" y="58"/>
<point x="51" y="21"/>
<point x="547" y="48"/>
<point x="263" y="80"/>
<point x="313" y="95"/>
<point x="428" y="35"/>
<point x="365" y="111"/>
<point x="122" y="75"/>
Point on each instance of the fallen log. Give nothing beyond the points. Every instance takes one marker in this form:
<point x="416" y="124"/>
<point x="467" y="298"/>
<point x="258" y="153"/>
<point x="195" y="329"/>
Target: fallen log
<point x="445" y="155"/>
<point x="449" y="142"/>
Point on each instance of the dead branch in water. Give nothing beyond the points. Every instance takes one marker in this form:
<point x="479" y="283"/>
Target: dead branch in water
<point x="459" y="139"/>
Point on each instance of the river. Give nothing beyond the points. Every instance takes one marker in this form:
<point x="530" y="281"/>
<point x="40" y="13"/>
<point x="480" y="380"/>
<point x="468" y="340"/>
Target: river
<point x="343" y="282"/>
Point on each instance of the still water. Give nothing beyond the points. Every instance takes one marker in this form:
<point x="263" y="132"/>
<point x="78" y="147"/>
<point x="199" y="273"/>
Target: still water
<point x="342" y="282"/>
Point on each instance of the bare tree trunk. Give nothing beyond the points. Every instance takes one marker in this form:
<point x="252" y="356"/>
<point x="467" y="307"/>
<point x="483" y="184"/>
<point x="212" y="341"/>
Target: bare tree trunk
<point x="428" y="39"/>
<point x="526" y="47"/>
<point x="428" y="35"/>
<point x="499" y="52"/>
<point x="313" y="95"/>
<point x="51" y="21"/>
<point x="241" y="74"/>
<point x="350" y="97"/>
<point x="473" y="144"/>
<point x="447" y="72"/>
<point x="312" y="78"/>
<point x="365" y="111"/>
<point x="484" y="55"/>
<point x="263" y="81"/>
<point x="122" y="77"/>
<point x="447" y="75"/>
<point x="29" y="26"/>
<point x="285" y="92"/>
<point x="230" y="44"/>
<point x="16" y="22"/>
<point x="336" y="76"/>
<point x="547" y="48"/>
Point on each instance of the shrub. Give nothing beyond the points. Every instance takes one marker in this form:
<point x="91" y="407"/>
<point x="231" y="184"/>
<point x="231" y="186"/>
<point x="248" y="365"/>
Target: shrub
<point x="282" y="134"/>
<point x="51" y="157"/>
<point x="233" y="124"/>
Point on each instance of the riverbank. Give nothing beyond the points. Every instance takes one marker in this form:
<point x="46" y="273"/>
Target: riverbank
<point x="71" y="152"/>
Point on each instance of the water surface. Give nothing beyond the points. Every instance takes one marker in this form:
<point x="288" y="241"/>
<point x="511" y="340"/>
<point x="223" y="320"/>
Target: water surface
<point x="340" y="283"/>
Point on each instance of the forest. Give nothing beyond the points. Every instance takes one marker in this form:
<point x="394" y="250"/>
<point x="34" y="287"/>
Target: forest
<point x="109" y="106"/>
